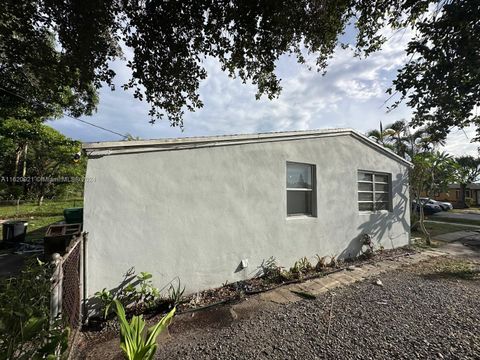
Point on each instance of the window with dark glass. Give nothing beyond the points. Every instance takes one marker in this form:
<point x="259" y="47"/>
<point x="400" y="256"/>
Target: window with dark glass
<point x="373" y="191"/>
<point x="300" y="189"/>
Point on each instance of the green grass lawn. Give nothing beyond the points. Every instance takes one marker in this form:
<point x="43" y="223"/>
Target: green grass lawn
<point x="38" y="217"/>
<point x="436" y="229"/>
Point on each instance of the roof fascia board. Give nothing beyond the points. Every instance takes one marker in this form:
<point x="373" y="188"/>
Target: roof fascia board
<point x="128" y="147"/>
<point x="212" y="139"/>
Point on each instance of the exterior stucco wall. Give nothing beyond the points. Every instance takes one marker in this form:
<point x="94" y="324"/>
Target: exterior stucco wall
<point x="197" y="213"/>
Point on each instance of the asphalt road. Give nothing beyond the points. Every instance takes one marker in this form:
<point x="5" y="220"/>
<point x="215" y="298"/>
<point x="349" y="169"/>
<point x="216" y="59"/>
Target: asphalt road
<point x="452" y="215"/>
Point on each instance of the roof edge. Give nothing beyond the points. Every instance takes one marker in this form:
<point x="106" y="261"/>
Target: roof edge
<point x="107" y="148"/>
<point x="207" y="139"/>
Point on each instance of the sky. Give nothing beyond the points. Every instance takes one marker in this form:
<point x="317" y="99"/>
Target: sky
<point x="350" y="95"/>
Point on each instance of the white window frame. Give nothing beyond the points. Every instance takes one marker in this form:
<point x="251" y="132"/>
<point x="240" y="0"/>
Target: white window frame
<point x="374" y="191"/>
<point x="313" y="190"/>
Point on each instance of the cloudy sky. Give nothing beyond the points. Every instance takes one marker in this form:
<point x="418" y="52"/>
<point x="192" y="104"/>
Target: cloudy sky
<point x="351" y="94"/>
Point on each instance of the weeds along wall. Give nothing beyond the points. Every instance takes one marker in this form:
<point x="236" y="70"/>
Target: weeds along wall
<point x="197" y="213"/>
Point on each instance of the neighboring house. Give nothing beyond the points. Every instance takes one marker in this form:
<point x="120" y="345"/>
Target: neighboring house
<point x="211" y="209"/>
<point x="453" y="194"/>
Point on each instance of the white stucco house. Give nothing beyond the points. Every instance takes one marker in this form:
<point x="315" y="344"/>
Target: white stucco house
<point x="211" y="209"/>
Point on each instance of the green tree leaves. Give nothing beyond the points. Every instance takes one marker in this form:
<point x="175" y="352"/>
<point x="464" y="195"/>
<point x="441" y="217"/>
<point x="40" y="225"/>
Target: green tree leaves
<point x="58" y="54"/>
<point x="442" y="80"/>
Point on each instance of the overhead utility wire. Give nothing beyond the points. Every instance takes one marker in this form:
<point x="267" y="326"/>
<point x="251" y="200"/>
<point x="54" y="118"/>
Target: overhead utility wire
<point x="71" y="117"/>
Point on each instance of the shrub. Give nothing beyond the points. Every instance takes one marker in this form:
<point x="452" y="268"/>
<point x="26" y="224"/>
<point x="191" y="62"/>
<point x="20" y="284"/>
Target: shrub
<point x="141" y="292"/>
<point x="135" y="342"/>
<point x="25" y="328"/>
<point x="469" y="201"/>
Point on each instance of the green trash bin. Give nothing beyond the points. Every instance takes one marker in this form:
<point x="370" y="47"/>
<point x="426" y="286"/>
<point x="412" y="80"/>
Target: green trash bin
<point x="73" y="215"/>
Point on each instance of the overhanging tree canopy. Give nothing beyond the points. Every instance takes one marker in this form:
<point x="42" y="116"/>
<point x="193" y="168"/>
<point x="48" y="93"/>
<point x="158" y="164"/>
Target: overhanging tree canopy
<point x="170" y="39"/>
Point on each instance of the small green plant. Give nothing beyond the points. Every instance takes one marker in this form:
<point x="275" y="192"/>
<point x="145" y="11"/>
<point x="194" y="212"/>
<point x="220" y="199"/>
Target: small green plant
<point x="144" y="292"/>
<point x="270" y="271"/>
<point x="147" y="293"/>
<point x="295" y="270"/>
<point x="106" y="298"/>
<point x="321" y="263"/>
<point x="301" y="267"/>
<point x="305" y="265"/>
<point x="175" y="294"/>
<point x="136" y="342"/>
<point x="333" y="261"/>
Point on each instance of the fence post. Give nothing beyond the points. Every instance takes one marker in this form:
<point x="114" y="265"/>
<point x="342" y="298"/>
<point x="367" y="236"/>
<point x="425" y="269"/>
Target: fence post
<point x="81" y="282"/>
<point x="56" y="288"/>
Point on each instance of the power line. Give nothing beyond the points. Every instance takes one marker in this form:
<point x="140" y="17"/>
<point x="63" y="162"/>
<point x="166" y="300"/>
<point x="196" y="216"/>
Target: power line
<point x="69" y="116"/>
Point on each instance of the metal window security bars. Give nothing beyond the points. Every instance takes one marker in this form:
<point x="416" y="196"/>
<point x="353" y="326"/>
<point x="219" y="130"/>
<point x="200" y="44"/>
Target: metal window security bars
<point x="373" y="191"/>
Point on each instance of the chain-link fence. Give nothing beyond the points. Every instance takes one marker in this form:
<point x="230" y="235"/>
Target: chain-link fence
<point x="66" y="284"/>
<point x="71" y="286"/>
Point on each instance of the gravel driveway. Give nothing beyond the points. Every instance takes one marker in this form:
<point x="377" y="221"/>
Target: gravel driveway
<point x="414" y="315"/>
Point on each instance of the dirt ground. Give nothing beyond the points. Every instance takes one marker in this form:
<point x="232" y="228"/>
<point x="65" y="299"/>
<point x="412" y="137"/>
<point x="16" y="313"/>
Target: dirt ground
<point x="429" y="310"/>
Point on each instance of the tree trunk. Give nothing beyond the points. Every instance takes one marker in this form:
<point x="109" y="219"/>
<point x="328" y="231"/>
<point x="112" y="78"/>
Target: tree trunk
<point x="18" y="153"/>
<point x="24" y="170"/>
<point x="428" y="239"/>
<point x="25" y="150"/>
<point x="40" y="200"/>
<point x="463" y="190"/>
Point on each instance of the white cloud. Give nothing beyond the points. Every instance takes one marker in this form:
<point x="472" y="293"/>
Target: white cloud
<point x="459" y="142"/>
<point x="351" y="94"/>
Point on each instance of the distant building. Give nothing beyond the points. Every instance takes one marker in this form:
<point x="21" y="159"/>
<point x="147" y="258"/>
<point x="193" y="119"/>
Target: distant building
<point x="453" y="194"/>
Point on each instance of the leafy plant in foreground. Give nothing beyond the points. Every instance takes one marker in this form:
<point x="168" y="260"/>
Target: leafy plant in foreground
<point x="136" y="343"/>
<point x="26" y="331"/>
<point x="107" y="299"/>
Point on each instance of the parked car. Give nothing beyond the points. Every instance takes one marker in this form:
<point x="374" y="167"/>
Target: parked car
<point x="445" y="206"/>
<point x="428" y="208"/>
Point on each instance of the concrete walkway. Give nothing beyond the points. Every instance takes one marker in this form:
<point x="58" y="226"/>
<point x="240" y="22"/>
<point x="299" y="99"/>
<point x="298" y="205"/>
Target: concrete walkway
<point x="292" y="293"/>
<point x="459" y="236"/>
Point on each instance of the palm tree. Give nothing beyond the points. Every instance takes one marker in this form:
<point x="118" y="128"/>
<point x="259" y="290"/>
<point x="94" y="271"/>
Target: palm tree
<point x="399" y="137"/>
<point x="420" y="141"/>
<point x="380" y="136"/>
<point x="397" y="132"/>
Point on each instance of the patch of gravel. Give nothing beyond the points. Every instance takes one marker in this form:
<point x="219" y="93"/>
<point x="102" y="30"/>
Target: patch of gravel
<point x="412" y="315"/>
